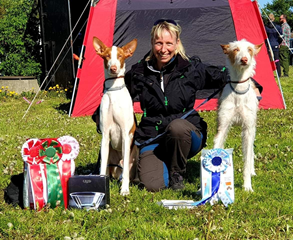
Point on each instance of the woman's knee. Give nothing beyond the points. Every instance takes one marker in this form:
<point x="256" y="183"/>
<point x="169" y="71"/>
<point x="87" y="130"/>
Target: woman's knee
<point x="152" y="172"/>
<point x="178" y="128"/>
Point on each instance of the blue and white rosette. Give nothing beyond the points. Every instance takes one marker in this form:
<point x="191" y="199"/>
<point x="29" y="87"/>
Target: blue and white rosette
<point x="216" y="161"/>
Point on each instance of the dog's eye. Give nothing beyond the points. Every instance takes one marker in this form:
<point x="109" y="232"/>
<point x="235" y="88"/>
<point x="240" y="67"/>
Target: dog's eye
<point x="236" y="50"/>
<point x="119" y="56"/>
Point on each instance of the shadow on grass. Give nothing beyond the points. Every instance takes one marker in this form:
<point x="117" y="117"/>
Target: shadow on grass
<point x="192" y="171"/>
<point x="63" y="107"/>
<point x="86" y="169"/>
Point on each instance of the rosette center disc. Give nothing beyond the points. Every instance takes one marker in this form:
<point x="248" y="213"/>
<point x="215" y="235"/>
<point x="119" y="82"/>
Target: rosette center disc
<point x="50" y="152"/>
<point x="66" y="148"/>
<point x="216" y="161"/>
<point x="34" y="152"/>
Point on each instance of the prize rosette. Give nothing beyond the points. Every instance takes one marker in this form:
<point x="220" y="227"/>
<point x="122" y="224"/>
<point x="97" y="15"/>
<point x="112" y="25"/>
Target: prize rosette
<point x="70" y="148"/>
<point x="215" y="162"/>
<point x="50" y="153"/>
<point x="34" y="195"/>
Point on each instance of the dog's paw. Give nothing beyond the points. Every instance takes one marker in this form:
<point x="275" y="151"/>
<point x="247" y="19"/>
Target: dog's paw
<point x="124" y="192"/>
<point x="248" y="189"/>
<point x="253" y="173"/>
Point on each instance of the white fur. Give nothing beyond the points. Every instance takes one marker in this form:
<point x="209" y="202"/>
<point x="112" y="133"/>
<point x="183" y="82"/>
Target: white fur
<point x="116" y="120"/>
<point x="235" y="108"/>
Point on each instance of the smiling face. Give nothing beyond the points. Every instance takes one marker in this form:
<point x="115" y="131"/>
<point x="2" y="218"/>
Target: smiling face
<point x="164" y="48"/>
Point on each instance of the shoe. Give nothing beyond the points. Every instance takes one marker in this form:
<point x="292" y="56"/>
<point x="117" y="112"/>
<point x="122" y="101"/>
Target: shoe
<point x="176" y="182"/>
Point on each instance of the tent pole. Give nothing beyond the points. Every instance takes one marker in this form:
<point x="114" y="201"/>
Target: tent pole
<point x="75" y="82"/>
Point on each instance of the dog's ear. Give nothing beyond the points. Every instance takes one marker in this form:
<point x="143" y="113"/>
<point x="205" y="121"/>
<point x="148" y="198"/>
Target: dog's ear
<point x="225" y="48"/>
<point x="258" y="48"/>
<point x="129" y="48"/>
<point x="99" y="46"/>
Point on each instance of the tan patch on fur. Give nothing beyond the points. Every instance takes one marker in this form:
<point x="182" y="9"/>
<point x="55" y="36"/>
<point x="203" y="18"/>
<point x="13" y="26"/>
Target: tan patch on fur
<point x="106" y="56"/>
<point x="121" y="56"/>
<point x="258" y="48"/>
<point x="132" y="130"/>
<point x="232" y="54"/>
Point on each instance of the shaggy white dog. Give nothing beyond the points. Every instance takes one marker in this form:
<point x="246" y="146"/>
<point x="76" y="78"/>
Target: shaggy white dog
<point x="238" y="102"/>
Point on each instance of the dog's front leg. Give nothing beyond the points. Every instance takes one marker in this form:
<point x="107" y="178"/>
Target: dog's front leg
<point x="224" y="123"/>
<point x="126" y="155"/>
<point x="248" y="136"/>
<point x="104" y="154"/>
<point x="105" y="122"/>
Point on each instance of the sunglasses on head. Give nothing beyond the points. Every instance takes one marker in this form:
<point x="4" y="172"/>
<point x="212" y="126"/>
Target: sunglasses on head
<point x="165" y="20"/>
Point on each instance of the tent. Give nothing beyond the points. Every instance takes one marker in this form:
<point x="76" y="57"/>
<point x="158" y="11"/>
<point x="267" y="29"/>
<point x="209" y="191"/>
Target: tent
<point x="205" y="25"/>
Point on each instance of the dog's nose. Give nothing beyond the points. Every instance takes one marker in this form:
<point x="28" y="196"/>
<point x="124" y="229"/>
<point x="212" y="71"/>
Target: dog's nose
<point x="244" y="60"/>
<point x="113" y="69"/>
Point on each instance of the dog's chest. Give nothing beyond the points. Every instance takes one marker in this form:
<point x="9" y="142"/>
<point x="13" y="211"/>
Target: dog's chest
<point x="238" y="106"/>
<point x="116" y="116"/>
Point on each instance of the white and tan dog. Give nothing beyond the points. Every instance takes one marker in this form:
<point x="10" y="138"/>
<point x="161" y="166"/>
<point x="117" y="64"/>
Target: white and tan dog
<point x="238" y="102"/>
<point x="117" y="121"/>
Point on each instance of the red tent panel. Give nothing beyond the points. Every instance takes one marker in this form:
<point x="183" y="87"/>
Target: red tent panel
<point x="248" y="24"/>
<point x="91" y="72"/>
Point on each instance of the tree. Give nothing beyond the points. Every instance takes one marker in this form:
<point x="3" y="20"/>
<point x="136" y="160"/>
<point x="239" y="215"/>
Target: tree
<point x="279" y="7"/>
<point x="19" y="38"/>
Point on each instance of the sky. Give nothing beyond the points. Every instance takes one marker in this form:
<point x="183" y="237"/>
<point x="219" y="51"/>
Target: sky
<point x="263" y="2"/>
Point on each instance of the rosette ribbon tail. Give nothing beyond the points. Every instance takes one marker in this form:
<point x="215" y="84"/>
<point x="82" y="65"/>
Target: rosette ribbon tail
<point x="216" y="178"/>
<point x="66" y="174"/>
<point x="25" y="191"/>
<point x="55" y="194"/>
<point x="36" y="181"/>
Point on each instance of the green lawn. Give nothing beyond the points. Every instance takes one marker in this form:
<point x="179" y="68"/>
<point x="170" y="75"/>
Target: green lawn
<point x="267" y="213"/>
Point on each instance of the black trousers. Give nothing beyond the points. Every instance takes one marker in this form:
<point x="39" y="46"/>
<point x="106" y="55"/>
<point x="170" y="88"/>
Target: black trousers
<point x="277" y="61"/>
<point x="158" y="161"/>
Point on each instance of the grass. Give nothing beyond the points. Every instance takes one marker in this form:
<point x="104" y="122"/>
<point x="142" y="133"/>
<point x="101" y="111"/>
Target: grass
<point x="264" y="214"/>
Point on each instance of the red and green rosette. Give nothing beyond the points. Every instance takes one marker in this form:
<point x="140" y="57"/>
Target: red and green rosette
<point x="30" y="151"/>
<point x="34" y="196"/>
<point x="50" y="153"/>
<point x="70" y="150"/>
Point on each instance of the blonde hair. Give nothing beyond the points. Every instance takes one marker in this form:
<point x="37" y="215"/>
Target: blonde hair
<point x="174" y="30"/>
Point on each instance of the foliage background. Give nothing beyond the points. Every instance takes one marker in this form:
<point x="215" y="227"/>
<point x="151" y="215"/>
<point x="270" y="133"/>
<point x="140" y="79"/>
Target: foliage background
<point x="279" y="7"/>
<point x="20" y="46"/>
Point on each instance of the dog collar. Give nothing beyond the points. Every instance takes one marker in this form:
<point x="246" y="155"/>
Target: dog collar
<point x="114" y="88"/>
<point x="113" y="78"/>
<point x="239" y="92"/>
<point x="243" y="81"/>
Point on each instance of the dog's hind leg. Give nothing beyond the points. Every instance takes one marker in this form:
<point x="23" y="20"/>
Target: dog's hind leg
<point x="248" y="136"/>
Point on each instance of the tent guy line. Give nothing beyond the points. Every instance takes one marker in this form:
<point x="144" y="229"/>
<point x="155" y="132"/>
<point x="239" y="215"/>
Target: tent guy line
<point x="69" y="38"/>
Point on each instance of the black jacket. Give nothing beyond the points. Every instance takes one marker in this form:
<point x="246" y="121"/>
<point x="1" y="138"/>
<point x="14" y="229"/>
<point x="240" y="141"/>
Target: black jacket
<point x="183" y="79"/>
